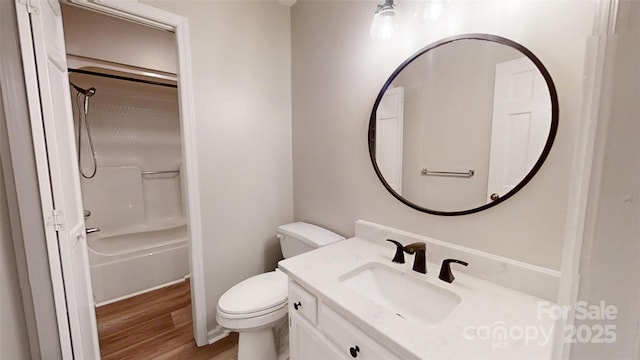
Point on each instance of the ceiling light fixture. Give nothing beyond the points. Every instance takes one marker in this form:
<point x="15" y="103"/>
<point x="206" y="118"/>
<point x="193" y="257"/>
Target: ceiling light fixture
<point x="386" y="21"/>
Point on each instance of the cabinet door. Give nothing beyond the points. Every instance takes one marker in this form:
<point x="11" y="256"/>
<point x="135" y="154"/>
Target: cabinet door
<point x="351" y="341"/>
<point x="307" y="343"/>
<point x="302" y="302"/>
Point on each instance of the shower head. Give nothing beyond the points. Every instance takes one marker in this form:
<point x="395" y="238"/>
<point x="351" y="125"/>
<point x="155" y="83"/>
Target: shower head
<point x="88" y="92"/>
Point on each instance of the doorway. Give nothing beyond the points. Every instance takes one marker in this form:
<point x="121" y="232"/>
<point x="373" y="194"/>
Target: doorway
<point x="126" y="120"/>
<point x="127" y="127"/>
<point x="47" y="81"/>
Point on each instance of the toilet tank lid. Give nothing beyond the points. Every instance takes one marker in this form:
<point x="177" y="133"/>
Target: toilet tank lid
<point x="313" y="235"/>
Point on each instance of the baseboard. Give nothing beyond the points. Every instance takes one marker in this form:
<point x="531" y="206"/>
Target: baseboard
<point x="124" y="297"/>
<point x="217" y="334"/>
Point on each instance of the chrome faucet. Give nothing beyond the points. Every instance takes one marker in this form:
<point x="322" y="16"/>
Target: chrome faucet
<point x="420" y="260"/>
<point x="91" y="230"/>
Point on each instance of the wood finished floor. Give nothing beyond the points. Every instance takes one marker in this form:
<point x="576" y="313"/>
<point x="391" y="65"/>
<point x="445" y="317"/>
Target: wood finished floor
<point x="156" y="325"/>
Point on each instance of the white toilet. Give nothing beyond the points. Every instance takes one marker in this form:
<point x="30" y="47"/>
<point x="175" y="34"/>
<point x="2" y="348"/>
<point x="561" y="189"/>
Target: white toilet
<point x="256" y="305"/>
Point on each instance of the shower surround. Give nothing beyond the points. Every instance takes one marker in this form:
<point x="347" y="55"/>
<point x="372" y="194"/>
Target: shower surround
<point x="135" y="198"/>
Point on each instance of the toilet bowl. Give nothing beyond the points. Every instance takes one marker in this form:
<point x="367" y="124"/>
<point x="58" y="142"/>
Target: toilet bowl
<point x="256" y="306"/>
<point x="253" y="308"/>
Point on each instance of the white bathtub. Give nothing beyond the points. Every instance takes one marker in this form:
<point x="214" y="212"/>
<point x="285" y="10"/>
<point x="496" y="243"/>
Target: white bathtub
<point x="124" y="265"/>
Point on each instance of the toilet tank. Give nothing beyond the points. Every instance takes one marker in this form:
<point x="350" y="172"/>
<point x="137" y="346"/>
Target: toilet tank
<point x="300" y="237"/>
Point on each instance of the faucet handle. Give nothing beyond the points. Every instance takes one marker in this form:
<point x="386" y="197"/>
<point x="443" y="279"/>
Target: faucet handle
<point x="445" y="270"/>
<point x="399" y="256"/>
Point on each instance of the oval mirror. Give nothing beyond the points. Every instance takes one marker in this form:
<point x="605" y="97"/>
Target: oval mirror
<point x="463" y="124"/>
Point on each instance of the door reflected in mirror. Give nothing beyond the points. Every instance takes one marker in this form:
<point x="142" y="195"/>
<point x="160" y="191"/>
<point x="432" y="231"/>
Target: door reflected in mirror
<point x="463" y="124"/>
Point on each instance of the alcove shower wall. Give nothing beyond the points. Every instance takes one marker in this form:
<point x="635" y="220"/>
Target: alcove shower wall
<point x="135" y="197"/>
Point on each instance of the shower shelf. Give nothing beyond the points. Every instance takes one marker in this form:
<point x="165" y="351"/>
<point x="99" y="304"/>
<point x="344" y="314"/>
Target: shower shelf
<point x="111" y="68"/>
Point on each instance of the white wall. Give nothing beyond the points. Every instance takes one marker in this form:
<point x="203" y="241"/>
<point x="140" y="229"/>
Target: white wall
<point x="90" y="34"/>
<point x="242" y="88"/>
<point x="610" y="267"/>
<point x="337" y="72"/>
<point x="13" y="331"/>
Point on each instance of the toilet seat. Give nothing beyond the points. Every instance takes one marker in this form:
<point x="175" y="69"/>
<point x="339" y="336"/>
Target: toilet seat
<point x="256" y="302"/>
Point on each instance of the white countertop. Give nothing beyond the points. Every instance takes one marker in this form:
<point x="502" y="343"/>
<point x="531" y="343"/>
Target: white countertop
<point x="491" y="322"/>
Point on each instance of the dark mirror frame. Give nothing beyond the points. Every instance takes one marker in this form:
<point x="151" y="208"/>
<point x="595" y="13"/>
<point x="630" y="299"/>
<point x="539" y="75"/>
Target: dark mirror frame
<point x="545" y="152"/>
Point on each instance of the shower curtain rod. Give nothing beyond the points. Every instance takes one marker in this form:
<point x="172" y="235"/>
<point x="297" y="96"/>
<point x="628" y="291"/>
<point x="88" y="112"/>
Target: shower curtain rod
<point x="87" y="72"/>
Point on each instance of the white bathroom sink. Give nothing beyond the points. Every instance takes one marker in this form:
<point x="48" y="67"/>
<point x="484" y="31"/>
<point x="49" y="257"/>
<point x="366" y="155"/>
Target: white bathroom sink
<point x="415" y="300"/>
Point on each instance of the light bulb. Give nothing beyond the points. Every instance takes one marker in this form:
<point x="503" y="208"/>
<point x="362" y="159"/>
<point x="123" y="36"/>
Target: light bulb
<point x="385" y="23"/>
<point x="436" y="9"/>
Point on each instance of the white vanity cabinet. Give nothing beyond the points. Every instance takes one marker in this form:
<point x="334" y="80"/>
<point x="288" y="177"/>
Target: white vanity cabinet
<point x="317" y="332"/>
<point x="306" y="342"/>
<point x="349" y="297"/>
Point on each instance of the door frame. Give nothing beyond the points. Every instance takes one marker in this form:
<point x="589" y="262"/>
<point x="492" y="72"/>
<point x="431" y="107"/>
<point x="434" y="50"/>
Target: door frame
<point x="164" y="20"/>
<point x="147" y="15"/>
<point x="587" y="168"/>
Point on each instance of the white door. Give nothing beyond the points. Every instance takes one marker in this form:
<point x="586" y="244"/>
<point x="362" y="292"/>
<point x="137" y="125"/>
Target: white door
<point x="389" y="134"/>
<point x="52" y="90"/>
<point x="521" y="123"/>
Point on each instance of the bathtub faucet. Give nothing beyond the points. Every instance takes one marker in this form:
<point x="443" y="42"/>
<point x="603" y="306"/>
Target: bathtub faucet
<point x="91" y="230"/>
